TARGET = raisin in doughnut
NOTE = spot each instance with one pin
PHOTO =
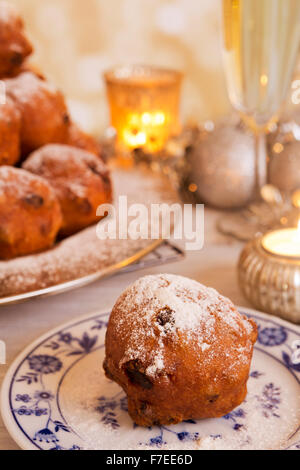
(44, 116)
(14, 45)
(28, 66)
(179, 350)
(10, 125)
(80, 139)
(30, 215)
(80, 179)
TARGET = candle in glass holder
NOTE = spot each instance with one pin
(269, 273)
(285, 242)
(144, 105)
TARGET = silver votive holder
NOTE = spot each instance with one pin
(270, 282)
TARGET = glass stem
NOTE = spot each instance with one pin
(260, 162)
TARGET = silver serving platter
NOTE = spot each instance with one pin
(83, 281)
(143, 186)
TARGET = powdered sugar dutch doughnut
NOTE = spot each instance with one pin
(14, 45)
(179, 350)
(44, 115)
(80, 180)
(30, 214)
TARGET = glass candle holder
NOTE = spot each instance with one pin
(144, 105)
(269, 273)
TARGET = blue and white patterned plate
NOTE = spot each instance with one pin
(55, 396)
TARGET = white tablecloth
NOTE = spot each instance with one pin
(214, 266)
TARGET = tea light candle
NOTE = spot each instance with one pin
(284, 242)
(144, 105)
(269, 273)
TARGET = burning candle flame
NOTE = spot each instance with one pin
(147, 128)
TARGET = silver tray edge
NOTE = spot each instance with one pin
(82, 281)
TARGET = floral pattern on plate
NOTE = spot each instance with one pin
(43, 410)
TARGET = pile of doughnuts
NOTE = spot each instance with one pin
(52, 176)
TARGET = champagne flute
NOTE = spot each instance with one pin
(261, 42)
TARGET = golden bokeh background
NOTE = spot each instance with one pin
(76, 40)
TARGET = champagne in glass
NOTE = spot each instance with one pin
(261, 42)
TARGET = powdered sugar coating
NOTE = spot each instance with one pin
(195, 312)
(70, 170)
(17, 182)
(34, 97)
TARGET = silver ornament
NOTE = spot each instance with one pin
(222, 165)
(284, 152)
(284, 167)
